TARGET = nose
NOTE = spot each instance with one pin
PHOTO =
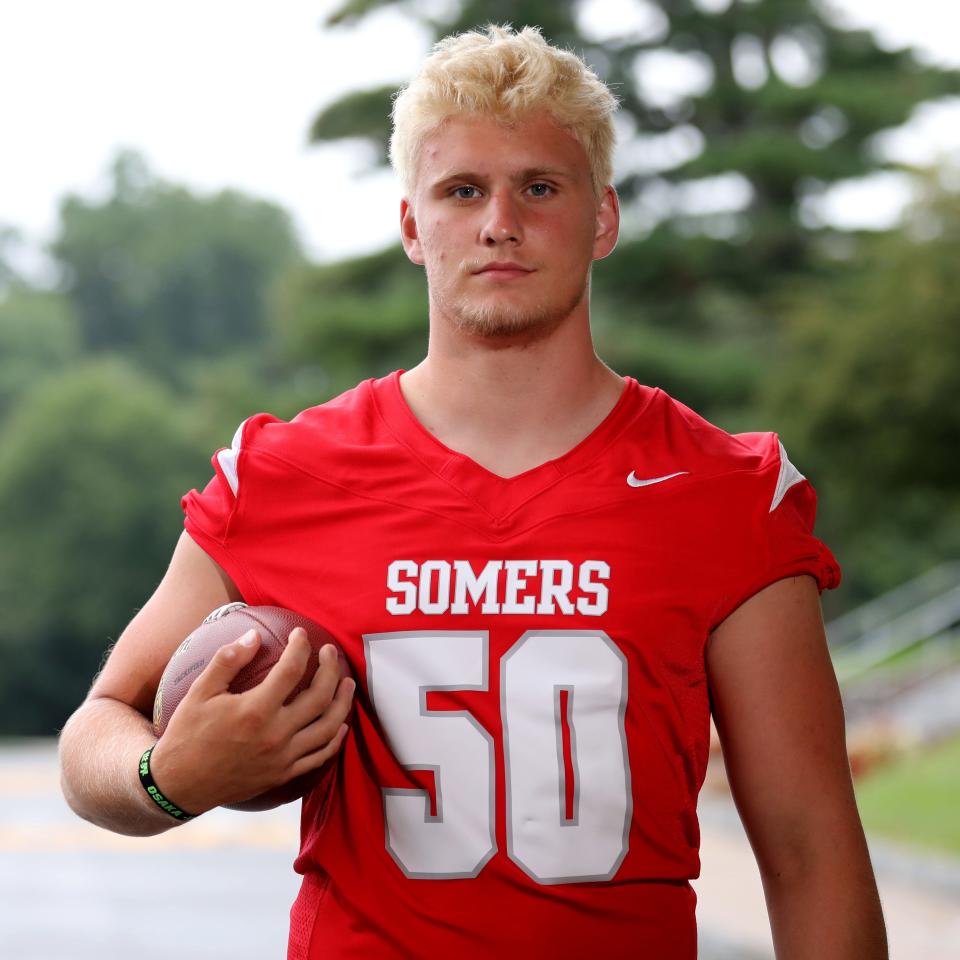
(502, 223)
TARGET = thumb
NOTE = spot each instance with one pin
(226, 663)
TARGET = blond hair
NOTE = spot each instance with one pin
(505, 75)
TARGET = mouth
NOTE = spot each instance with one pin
(503, 270)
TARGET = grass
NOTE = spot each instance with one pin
(941, 649)
(915, 799)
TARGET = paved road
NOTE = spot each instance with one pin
(222, 886)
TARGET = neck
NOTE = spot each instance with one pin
(511, 403)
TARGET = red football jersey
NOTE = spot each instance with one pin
(531, 723)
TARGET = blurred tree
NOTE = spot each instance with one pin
(772, 92)
(866, 396)
(737, 115)
(160, 273)
(10, 238)
(92, 465)
(357, 318)
(39, 336)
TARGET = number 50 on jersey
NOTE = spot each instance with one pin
(563, 698)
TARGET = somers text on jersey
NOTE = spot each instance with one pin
(500, 587)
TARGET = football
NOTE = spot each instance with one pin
(223, 626)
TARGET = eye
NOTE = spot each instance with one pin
(540, 189)
(466, 192)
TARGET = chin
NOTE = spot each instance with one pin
(497, 323)
(494, 319)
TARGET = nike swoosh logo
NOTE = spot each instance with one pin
(634, 482)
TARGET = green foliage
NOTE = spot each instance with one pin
(92, 465)
(354, 10)
(38, 337)
(362, 113)
(157, 272)
(353, 319)
(867, 397)
(161, 289)
(713, 373)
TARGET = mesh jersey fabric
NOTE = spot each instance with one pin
(531, 725)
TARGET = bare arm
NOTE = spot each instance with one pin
(778, 711)
(218, 747)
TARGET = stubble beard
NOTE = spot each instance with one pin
(493, 319)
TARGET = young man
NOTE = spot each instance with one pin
(544, 575)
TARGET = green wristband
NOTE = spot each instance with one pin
(146, 778)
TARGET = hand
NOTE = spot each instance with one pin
(223, 747)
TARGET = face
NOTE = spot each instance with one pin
(507, 224)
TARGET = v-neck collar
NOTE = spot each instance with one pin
(498, 496)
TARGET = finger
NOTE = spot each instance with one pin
(317, 733)
(225, 664)
(321, 696)
(313, 701)
(317, 758)
(287, 672)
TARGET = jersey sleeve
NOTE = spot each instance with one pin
(215, 518)
(770, 529)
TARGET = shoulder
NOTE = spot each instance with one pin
(751, 510)
(707, 452)
(342, 420)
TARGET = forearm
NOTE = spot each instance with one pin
(100, 747)
(828, 910)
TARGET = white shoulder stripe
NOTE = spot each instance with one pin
(789, 475)
(227, 458)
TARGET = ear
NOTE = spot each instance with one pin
(607, 224)
(409, 234)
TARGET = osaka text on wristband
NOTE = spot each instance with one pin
(146, 778)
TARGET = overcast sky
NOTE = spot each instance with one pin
(218, 93)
